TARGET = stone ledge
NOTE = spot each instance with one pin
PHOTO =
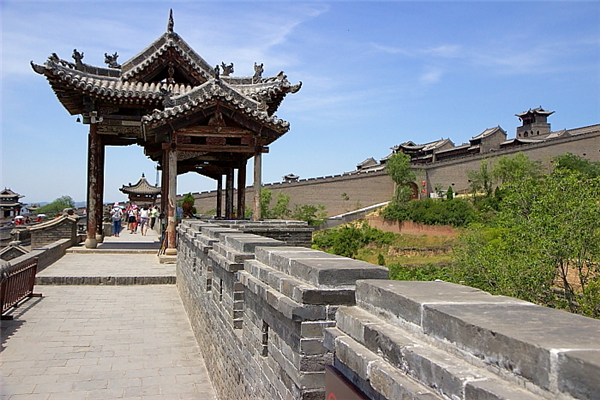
(296, 289)
(550, 351)
(318, 268)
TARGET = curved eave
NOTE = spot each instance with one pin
(213, 90)
(70, 85)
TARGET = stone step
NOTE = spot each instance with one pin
(369, 344)
(105, 280)
(536, 344)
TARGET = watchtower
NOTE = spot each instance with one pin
(534, 123)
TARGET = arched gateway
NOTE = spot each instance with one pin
(187, 115)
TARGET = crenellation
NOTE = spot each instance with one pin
(271, 328)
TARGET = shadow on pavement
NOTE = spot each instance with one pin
(129, 246)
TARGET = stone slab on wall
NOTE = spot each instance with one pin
(292, 233)
(462, 343)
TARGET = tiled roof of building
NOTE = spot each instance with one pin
(424, 147)
(488, 132)
(212, 90)
(538, 110)
(9, 194)
(142, 187)
(138, 80)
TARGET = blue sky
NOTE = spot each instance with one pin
(375, 74)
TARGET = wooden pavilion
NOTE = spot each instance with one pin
(187, 115)
(142, 193)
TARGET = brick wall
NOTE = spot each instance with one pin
(269, 318)
(64, 227)
(258, 308)
(376, 187)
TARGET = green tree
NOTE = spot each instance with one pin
(449, 193)
(314, 215)
(545, 230)
(512, 169)
(187, 204)
(481, 179)
(57, 206)
(398, 168)
(280, 209)
(266, 196)
(575, 163)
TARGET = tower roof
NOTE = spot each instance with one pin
(535, 111)
(142, 187)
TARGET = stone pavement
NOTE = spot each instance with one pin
(102, 341)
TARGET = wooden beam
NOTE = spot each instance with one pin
(221, 149)
(224, 131)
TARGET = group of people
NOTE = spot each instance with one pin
(136, 217)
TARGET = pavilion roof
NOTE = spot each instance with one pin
(213, 90)
(9, 194)
(141, 80)
(142, 187)
(539, 111)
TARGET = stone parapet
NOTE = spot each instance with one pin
(271, 319)
(260, 316)
(457, 342)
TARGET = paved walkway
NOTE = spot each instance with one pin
(105, 341)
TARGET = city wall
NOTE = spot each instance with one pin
(271, 319)
(369, 188)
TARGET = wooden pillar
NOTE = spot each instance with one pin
(241, 191)
(100, 194)
(92, 186)
(220, 196)
(257, 184)
(164, 185)
(229, 193)
(172, 200)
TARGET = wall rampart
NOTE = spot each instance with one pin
(64, 227)
(258, 309)
(339, 193)
(368, 188)
(269, 318)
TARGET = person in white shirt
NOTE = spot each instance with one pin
(144, 218)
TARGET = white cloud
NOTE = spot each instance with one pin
(431, 76)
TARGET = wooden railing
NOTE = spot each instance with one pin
(17, 284)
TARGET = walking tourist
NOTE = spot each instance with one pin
(153, 215)
(144, 217)
(132, 218)
(116, 215)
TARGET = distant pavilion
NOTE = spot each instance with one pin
(10, 204)
(187, 115)
(142, 193)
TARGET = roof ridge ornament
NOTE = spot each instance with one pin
(227, 69)
(77, 56)
(171, 24)
(258, 71)
(111, 60)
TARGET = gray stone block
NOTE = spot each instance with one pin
(392, 384)
(516, 337)
(579, 373)
(405, 299)
(496, 389)
(353, 355)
